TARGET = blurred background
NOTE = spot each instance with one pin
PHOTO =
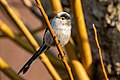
(105, 14)
(17, 56)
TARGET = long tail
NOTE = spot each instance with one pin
(29, 62)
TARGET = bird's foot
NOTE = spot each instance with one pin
(60, 56)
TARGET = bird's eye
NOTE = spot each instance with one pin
(62, 18)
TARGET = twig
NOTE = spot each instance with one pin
(100, 53)
(55, 39)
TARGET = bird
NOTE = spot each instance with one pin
(61, 25)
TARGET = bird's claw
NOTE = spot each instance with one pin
(60, 56)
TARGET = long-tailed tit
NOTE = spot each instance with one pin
(61, 25)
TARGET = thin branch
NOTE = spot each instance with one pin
(100, 53)
(55, 39)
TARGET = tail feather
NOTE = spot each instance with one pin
(25, 68)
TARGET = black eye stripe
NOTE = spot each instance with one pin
(65, 16)
(62, 18)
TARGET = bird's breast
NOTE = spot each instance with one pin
(63, 34)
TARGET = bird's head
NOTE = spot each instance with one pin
(63, 18)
